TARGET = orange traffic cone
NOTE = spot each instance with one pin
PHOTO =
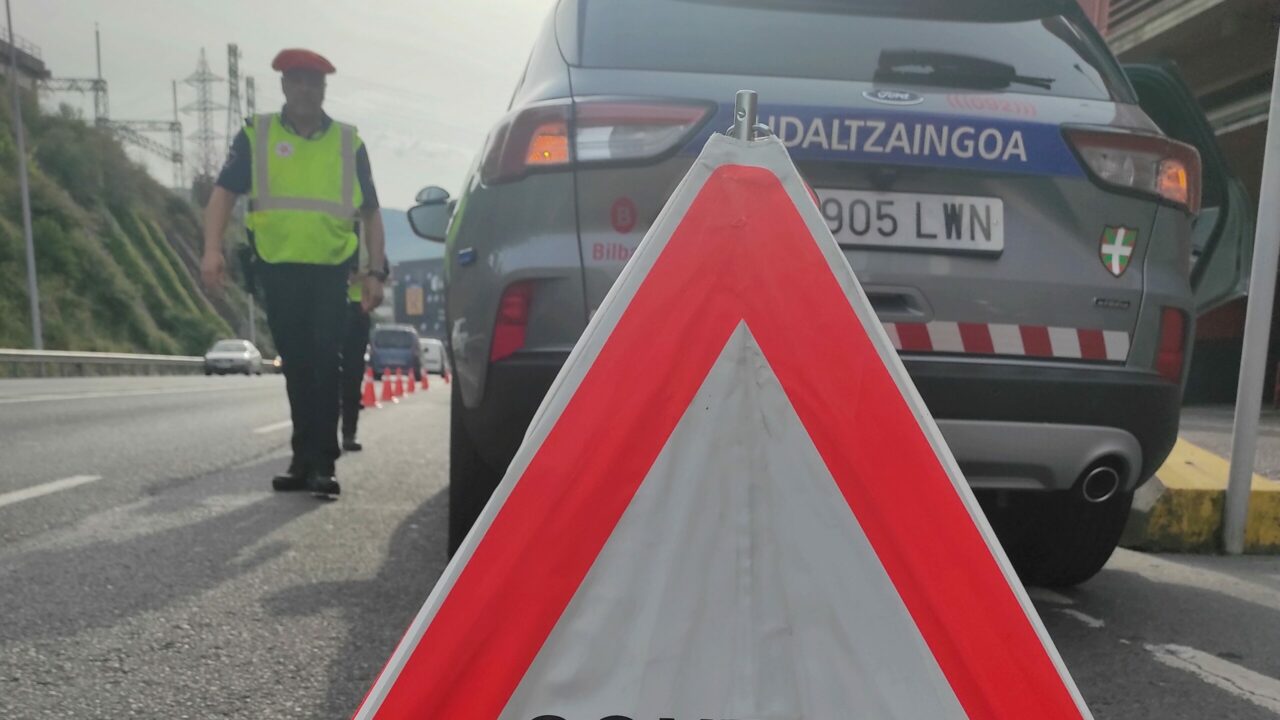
(446, 376)
(425, 384)
(388, 394)
(412, 387)
(398, 388)
(370, 398)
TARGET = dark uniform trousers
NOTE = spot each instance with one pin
(306, 310)
(353, 347)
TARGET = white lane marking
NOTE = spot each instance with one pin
(1089, 620)
(17, 496)
(1239, 681)
(1049, 596)
(132, 393)
(273, 427)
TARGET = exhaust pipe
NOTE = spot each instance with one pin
(1100, 482)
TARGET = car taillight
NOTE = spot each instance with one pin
(1172, 344)
(513, 318)
(622, 130)
(561, 133)
(537, 136)
(1150, 164)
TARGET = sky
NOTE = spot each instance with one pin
(423, 81)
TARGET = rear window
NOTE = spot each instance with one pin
(844, 40)
(393, 339)
(230, 346)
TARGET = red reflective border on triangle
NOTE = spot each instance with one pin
(741, 252)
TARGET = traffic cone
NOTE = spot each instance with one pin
(388, 394)
(446, 376)
(411, 387)
(398, 388)
(425, 383)
(369, 399)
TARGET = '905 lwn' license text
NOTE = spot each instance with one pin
(942, 223)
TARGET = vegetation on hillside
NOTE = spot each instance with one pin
(117, 254)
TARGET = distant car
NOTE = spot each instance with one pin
(238, 356)
(432, 355)
(395, 347)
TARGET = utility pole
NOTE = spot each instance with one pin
(33, 292)
(101, 110)
(250, 108)
(233, 97)
(234, 123)
(1257, 329)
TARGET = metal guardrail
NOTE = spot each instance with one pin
(63, 362)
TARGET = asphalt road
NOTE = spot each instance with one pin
(176, 585)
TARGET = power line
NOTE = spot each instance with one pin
(130, 132)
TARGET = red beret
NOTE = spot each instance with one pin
(299, 59)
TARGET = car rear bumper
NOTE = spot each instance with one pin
(1010, 426)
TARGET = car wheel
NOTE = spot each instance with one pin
(207, 371)
(1058, 539)
(471, 480)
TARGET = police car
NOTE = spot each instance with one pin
(1036, 228)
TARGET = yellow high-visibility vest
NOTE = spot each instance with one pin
(305, 194)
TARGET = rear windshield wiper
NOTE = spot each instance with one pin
(953, 70)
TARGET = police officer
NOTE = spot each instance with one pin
(354, 345)
(309, 186)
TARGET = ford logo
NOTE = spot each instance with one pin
(893, 97)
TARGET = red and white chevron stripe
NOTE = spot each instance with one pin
(1001, 339)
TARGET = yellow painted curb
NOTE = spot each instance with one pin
(1180, 509)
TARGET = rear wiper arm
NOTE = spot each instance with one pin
(942, 68)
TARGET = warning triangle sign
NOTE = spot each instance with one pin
(732, 505)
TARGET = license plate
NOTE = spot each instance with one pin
(918, 221)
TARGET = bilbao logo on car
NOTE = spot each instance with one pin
(893, 97)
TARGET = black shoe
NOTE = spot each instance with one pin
(349, 444)
(293, 479)
(323, 485)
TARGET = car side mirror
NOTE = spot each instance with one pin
(430, 220)
(431, 193)
(430, 217)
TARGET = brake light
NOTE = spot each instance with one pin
(558, 134)
(1149, 164)
(512, 320)
(1172, 344)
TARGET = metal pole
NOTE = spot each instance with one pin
(744, 115)
(1257, 331)
(33, 293)
(253, 321)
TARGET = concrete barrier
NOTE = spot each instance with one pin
(1180, 509)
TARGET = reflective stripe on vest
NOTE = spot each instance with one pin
(305, 195)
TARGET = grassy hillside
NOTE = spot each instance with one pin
(117, 254)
